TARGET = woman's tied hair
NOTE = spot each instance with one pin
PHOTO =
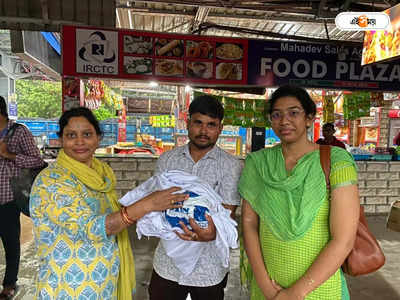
(3, 107)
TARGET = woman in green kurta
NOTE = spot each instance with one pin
(295, 237)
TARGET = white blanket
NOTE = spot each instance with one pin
(184, 254)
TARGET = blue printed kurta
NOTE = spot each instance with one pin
(77, 260)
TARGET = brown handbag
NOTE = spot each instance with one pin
(366, 256)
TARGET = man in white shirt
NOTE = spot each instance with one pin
(221, 170)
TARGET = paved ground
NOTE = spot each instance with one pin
(382, 285)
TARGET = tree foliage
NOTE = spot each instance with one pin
(39, 99)
(43, 99)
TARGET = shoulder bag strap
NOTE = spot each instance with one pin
(11, 132)
(8, 136)
(325, 160)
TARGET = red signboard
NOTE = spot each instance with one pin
(394, 113)
(139, 55)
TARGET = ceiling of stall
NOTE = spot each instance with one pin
(273, 19)
(277, 19)
(46, 15)
(307, 20)
(49, 15)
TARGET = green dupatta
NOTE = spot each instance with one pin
(287, 203)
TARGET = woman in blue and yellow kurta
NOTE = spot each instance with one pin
(295, 237)
(80, 229)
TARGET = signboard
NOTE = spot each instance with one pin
(12, 106)
(217, 61)
(96, 52)
(394, 113)
(146, 105)
(137, 55)
(383, 44)
(317, 65)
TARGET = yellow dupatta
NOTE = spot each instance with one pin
(101, 178)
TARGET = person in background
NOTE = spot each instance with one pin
(297, 235)
(221, 170)
(19, 151)
(396, 140)
(328, 131)
(83, 246)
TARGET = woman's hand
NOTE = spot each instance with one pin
(156, 201)
(270, 291)
(198, 234)
(288, 294)
(165, 199)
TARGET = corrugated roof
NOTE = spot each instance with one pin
(250, 19)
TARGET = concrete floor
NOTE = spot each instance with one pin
(383, 284)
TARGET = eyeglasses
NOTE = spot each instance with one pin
(291, 114)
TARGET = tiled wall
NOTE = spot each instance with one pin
(379, 182)
(130, 171)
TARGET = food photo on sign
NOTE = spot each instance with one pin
(229, 71)
(169, 47)
(229, 51)
(138, 65)
(196, 49)
(138, 44)
(169, 67)
(199, 69)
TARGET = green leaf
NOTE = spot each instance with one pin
(38, 99)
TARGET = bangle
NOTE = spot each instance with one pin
(123, 218)
(127, 220)
(125, 210)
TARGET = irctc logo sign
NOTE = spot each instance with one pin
(356, 21)
(97, 51)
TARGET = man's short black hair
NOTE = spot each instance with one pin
(3, 107)
(328, 126)
(207, 105)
